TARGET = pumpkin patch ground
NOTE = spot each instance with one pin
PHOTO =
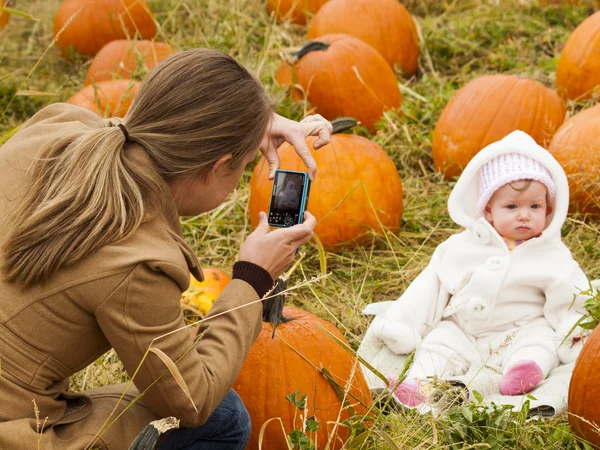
(459, 43)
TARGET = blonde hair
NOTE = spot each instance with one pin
(88, 191)
(527, 182)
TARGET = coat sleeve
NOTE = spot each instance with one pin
(403, 323)
(564, 306)
(564, 297)
(146, 305)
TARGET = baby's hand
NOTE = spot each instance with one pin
(399, 338)
(570, 349)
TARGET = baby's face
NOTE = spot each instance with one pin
(518, 214)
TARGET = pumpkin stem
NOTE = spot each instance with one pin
(312, 46)
(343, 124)
(273, 306)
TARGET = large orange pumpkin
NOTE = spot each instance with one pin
(578, 70)
(294, 9)
(107, 98)
(202, 294)
(343, 76)
(98, 22)
(294, 360)
(384, 24)
(576, 146)
(487, 109)
(120, 58)
(584, 391)
(356, 178)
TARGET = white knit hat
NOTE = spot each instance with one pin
(506, 168)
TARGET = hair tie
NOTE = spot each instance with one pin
(124, 130)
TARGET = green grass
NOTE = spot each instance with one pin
(462, 39)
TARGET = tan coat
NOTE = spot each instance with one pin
(122, 297)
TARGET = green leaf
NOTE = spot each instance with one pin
(359, 441)
(312, 424)
(467, 414)
(478, 396)
(299, 439)
(299, 401)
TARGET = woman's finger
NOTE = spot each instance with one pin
(300, 242)
(324, 138)
(321, 128)
(299, 143)
(309, 220)
(272, 158)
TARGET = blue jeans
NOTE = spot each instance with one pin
(227, 428)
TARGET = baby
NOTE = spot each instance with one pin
(503, 291)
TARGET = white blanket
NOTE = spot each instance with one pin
(547, 399)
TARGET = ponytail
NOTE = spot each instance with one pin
(85, 194)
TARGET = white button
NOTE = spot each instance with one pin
(481, 233)
(478, 308)
(495, 263)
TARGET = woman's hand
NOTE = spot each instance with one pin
(274, 251)
(285, 130)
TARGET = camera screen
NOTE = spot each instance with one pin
(286, 199)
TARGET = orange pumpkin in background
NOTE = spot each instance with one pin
(120, 58)
(576, 146)
(357, 189)
(107, 98)
(95, 23)
(202, 294)
(342, 76)
(4, 16)
(294, 9)
(578, 69)
(584, 391)
(386, 25)
(295, 360)
(486, 110)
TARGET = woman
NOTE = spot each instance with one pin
(93, 258)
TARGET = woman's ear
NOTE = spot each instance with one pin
(221, 164)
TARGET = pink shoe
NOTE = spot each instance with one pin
(521, 378)
(407, 392)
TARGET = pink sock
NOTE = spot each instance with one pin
(407, 392)
(521, 378)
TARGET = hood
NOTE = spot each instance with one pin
(463, 198)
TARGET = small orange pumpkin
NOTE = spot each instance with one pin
(349, 167)
(294, 360)
(119, 59)
(343, 76)
(578, 70)
(202, 294)
(107, 98)
(386, 25)
(97, 23)
(487, 109)
(576, 146)
(584, 391)
(4, 16)
(294, 9)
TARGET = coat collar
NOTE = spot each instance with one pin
(485, 233)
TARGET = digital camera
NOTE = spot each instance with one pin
(288, 198)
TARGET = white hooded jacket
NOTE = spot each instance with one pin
(473, 276)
